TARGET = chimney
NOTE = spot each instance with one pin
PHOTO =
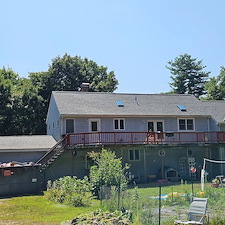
(85, 87)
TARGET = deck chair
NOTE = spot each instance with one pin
(196, 213)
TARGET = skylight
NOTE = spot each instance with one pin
(182, 108)
(119, 103)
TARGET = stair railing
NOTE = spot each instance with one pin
(48, 155)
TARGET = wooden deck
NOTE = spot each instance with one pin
(115, 138)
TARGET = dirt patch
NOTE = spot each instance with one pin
(171, 211)
(2, 200)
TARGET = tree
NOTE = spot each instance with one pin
(67, 74)
(24, 101)
(107, 171)
(215, 87)
(28, 117)
(20, 105)
(9, 97)
(188, 76)
(5, 101)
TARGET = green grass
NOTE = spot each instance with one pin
(38, 210)
(146, 191)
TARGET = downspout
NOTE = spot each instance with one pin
(208, 149)
(221, 152)
(61, 126)
(209, 123)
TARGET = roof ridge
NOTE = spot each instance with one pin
(113, 93)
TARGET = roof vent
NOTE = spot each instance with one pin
(136, 100)
(182, 108)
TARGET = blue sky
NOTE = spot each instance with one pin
(133, 38)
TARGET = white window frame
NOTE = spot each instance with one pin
(134, 158)
(186, 119)
(119, 119)
(73, 124)
(159, 135)
(98, 122)
(155, 124)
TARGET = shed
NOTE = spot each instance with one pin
(26, 148)
(20, 180)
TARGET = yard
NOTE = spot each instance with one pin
(141, 200)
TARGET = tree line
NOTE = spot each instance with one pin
(24, 101)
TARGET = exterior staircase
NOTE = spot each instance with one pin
(50, 156)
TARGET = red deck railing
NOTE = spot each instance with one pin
(112, 138)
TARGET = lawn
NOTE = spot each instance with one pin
(38, 210)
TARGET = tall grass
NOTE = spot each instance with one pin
(146, 210)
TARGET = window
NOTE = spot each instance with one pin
(89, 162)
(119, 124)
(182, 124)
(154, 126)
(119, 103)
(186, 124)
(151, 127)
(160, 126)
(134, 155)
(182, 108)
(94, 125)
(190, 124)
(69, 126)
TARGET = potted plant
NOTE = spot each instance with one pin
(215, 183)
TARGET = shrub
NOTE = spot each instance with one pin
(107, 171)
(70, 190)
(101, 217)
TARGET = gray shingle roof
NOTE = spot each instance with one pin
(28, 142)
(216, 109)
(75, 103)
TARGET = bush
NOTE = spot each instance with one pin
(70, 190)
(101, 217)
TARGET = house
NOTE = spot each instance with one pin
(150, 132)
(27, 148)
(216, 111)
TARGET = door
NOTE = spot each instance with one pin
(157, 128)
(94, 128)
(69, 126)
